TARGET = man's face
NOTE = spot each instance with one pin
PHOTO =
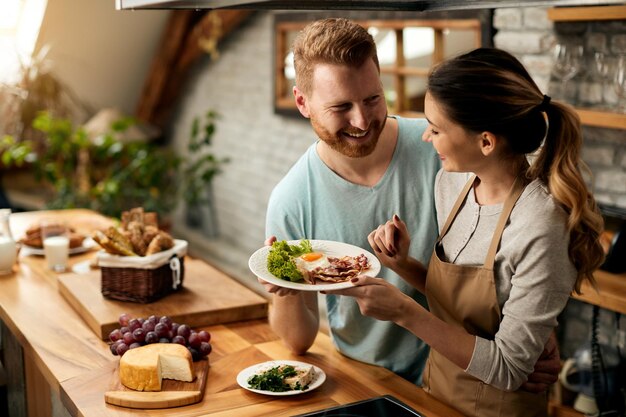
(347, 107)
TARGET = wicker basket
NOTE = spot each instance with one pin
(143, 279)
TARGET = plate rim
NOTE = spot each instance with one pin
(86, 245)
(242, 377)
(373, 270)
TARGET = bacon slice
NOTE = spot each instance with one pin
(340, 269)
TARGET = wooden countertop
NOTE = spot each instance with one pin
(237, 346)
(76, 363)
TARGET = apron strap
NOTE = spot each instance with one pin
(456, 207)
(509, 203)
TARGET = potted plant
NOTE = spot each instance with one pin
(199, 168)
(106, 174)
(110, 175)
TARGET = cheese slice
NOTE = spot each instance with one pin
(143, 368)
(303, 377)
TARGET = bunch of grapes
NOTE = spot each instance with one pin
(135, 332)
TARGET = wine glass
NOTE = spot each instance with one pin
(619, 82)
(602, 68)
(568, 61)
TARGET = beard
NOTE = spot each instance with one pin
(350, 147)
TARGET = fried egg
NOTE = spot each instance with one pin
(310, 261)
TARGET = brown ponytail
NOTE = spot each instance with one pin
(560, 167)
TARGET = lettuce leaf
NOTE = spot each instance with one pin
(280, 259)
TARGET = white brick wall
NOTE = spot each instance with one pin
(262, 145)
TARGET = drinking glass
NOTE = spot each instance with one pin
(567, 62)
(8, 247)
(56, 244)
(619, 82)
(602, 64)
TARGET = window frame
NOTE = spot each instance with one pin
(289, 23)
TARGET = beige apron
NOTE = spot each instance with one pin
(466, 296)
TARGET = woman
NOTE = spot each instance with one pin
(515, 238)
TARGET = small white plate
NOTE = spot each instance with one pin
(243, 376)
(258, 264)
(87, 244)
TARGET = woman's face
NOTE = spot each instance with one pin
(458, 149)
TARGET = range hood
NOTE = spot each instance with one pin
(408, 5)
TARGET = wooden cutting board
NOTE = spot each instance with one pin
(172, 394)
(208, 297)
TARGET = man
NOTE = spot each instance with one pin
(365, 168)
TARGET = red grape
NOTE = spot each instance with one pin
(205, 348)
(115, 335)
(133, 324)
(136, 332)
(148, 326)
(152, 337)
(166, 320)
(180, 340)
(194, 340)
(162, 330)
(204, 336)
(122, 348)
(123, 319)
(195, 355)
(139, 335)
(128, 338)
(184, 331)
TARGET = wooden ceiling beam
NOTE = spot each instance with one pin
(187, 37)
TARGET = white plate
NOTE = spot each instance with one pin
(258, 264)
(243, 376)
(87, 244)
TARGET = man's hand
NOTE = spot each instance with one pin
(547, 368)
(271, 288)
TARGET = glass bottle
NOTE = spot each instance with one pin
(8, 247)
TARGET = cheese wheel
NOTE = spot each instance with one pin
(143, 368)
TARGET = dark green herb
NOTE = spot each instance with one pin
(274, 379)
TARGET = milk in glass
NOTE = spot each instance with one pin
(8, 248)
(57, 252)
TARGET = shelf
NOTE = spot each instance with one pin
(593, 13)
(597, 118)
(570, 14)
(611, 292)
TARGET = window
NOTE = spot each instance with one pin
(407, 49)
(19, 26)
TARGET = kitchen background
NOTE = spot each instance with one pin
(101, 67)
(263, 145)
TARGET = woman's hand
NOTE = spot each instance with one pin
(391, 242)
(376, 298)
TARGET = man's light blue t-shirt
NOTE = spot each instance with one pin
(313, 202)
